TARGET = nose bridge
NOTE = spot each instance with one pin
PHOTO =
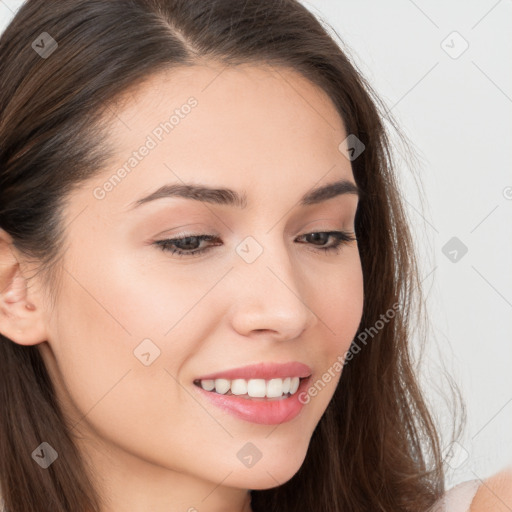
(269, 294)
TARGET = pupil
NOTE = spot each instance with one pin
(187, 243)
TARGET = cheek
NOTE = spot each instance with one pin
(103, 385)
(340, 308)
(107, 325)
(339, 299)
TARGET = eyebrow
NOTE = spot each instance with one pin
(228, 197)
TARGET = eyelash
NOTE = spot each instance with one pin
(342, 237)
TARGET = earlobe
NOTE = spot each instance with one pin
(21, 316)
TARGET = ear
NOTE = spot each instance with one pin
(21, 315)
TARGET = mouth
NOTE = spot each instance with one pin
(282, 406)
(253, 389)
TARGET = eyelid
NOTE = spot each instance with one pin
(213, 233)
(199, 226)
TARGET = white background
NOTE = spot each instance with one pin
(456, 113)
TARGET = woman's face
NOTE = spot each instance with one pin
(134, 325)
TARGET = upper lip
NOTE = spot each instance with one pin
(262, 371)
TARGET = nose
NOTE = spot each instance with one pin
(269, 297)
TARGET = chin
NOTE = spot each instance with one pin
(273, 472)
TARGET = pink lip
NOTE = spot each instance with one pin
(262, 371)
(265, 411)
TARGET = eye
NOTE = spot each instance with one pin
(190, 245)
(340, 238)
(186, 245)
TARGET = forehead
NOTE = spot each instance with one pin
(244, 104)
(242, 86)
(249, 127)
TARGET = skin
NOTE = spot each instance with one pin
(495, 494)
(154, 443)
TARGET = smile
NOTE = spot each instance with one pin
(252, 388)
(261, 409)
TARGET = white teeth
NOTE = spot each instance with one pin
(222, 386)
(239, 387)
(256, 388)
(274, 388)
(294, 384)
(209, 385)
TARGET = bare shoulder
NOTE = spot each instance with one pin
(495, 494)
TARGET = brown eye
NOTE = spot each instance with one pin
(340, 237)
(190, 244)
(187, 245)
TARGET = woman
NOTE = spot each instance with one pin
(207, 277)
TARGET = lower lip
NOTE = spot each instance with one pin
(264, 412)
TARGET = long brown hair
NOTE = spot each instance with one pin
(376, 448)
